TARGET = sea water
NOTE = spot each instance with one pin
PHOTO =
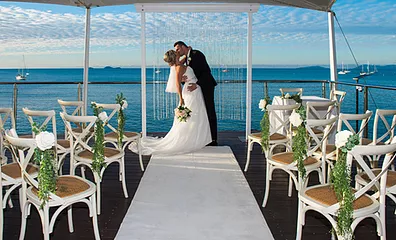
(44, 96)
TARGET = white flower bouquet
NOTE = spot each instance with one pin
(182, 113)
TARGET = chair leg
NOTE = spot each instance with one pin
(140, 155)
(24, 215)
(94, 216)
(249, 149)
(82, 172)
(70, 218)
(122, 172)
(290, 190)
(267, 185)
(98, 190)
(300, 221)
(45, 223)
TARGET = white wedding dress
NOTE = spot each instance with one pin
(183, 137)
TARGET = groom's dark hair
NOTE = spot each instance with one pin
(180, 43)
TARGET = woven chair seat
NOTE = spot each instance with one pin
(287, 158)
(326, 195)
(366, 141)
(329, 149)
(108, 152)
(67, 186)
(273, 137)
(390, 180)
(113, 136)
(80, 129)
(64, 143)
(14, 171)
(26, 136)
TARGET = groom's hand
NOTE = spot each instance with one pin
(191, 87)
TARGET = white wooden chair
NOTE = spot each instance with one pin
(291, 91)
(315, 111)
(322, 198)
(73, 108)
(82, 154)
(6, 121)
(1, 204)
(285, 161)
(278, 124)
(386, 119)
(112, 136)
(42, 118)
(69, 190)
(337, 96)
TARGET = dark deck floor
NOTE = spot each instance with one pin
(280, 213)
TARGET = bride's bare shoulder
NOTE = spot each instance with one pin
(180, 69)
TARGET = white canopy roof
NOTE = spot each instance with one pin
(320, 5)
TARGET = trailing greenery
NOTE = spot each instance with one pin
(120, 99)
(47, 175)
(265, 125)
(98, 149)
(341, 179)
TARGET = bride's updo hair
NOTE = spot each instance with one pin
(170, 57)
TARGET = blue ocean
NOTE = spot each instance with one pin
(230, 92)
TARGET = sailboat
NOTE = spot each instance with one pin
(343, 70)
(22, 73)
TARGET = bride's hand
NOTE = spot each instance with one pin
(181, 102)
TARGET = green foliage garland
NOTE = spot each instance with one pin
(265, 126)
(121, 118)
(341, 179)
(47, 175)
(98, 149)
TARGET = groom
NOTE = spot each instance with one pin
(197, 61)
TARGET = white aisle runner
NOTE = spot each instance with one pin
(197, 196)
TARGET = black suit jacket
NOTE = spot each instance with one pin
(201, 69)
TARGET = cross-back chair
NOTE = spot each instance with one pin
(313, 163)
(278, 123)
(315, 111)
(7, 120)
(42, 119)
(112, 135)
(337, 96)
(284, 91)
(69, 190)
(73, 108)
(82, 153)
(322, 198)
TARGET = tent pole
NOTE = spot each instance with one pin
(143, 74)
(86, 58)
(333, 56)
(249, 77)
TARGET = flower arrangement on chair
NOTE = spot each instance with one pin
(121, 100)
(341, 180)
(265, 123)
(44, 156)
(299, 144)
(98, 149)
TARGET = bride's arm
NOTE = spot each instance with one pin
(179, 75)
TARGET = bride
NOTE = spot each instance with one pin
(183, 137)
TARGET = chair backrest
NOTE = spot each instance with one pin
(113, 109)
(5, 114)
(41, 118)
(78, 141)
(316, 141)
(74, 107)
(315, 109)
(277, 120)
(337, 96)
(291, 91)
(346, 119)
(380, 116)
(23, 149)
(378, 181)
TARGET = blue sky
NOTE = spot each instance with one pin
(53, 36)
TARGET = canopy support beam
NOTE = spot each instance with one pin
(333, 55)
(143, 73)
(86, 58)
(249, 78)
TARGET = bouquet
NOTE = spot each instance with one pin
(182, 113)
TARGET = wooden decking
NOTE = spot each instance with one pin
(280, 213)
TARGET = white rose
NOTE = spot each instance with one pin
(341, 138)
(124, 104)
(262, 104)
(45, 140)
(103, 116)
(287, 96)
(295, 119)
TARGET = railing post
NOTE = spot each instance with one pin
(323, 89)
(79, 96)
(15, 105)
(366, 89)
(357, 104)
(265, 89)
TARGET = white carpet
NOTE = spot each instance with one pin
(197, 196)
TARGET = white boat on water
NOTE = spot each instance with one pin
(22, 73)
(344, 70)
